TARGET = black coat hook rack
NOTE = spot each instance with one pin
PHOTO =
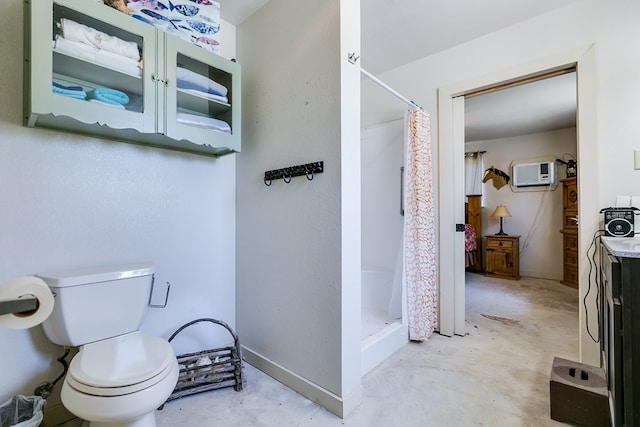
(309, 170)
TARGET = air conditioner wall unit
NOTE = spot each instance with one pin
(534, 174)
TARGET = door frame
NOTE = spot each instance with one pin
(451, 194)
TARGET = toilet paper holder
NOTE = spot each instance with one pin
(18, 305)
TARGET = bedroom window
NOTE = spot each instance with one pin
(473, 170)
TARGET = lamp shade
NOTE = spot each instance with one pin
(501, 212)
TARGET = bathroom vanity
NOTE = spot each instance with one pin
(620, 326)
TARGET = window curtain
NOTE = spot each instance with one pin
(473, 170)
(419, 235)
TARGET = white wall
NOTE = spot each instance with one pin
(298, 253)
(382, 224)
(71, 201)
(612, 26)
(536, 213)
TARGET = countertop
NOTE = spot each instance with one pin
(628, 247)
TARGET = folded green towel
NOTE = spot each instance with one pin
(109, 96)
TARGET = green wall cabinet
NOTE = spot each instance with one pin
(157, 107)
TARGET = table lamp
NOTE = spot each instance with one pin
(501, 212)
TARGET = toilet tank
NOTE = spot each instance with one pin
(93, 304)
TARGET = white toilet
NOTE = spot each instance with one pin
(120, 375)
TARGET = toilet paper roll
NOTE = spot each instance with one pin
(22, 287)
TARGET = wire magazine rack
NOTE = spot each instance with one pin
(208, 369)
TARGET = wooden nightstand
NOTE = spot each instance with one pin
(502, 256)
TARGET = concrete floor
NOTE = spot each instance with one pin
(496, 375)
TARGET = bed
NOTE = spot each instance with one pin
(473, 233)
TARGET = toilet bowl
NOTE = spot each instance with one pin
(120, 375)
(120, 381)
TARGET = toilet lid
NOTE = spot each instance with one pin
(121, 390)
(121, 361)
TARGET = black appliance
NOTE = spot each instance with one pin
(618, 221)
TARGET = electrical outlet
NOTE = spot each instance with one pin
(636, 159)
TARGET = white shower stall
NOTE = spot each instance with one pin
(384, 328)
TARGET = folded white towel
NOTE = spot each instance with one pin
(118, 62)
(98, 56)
(75, 48)
(75, 31)
(204, 122)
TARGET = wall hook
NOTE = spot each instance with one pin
(309, 170)
(353, 58)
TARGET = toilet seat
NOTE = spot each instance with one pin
(121, 365)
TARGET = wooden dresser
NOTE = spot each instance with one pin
(503, 256)
(570, 231)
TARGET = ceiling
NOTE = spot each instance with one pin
(539, 106)
(236, 11)
(396, 32)
(431, 26)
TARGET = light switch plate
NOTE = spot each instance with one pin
(636, 159)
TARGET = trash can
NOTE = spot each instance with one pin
(22, 411)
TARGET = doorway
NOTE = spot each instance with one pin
(532, 123)
(451, 183)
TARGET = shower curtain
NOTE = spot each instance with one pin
(419, 235)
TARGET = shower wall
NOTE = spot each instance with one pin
(382, 156)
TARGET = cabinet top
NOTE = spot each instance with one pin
(501, 236)
(627, 247)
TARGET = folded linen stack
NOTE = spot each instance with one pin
(93, 45)
(108, 96)
(76, 92)
(204, 122)
(197, 83)
(192, 82)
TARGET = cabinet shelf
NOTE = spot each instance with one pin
(190, 102)
(80, 69)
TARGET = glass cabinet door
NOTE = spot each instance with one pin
(202, 97)
(95, 65)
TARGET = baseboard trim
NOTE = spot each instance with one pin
(56, 414)
(340, 406)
